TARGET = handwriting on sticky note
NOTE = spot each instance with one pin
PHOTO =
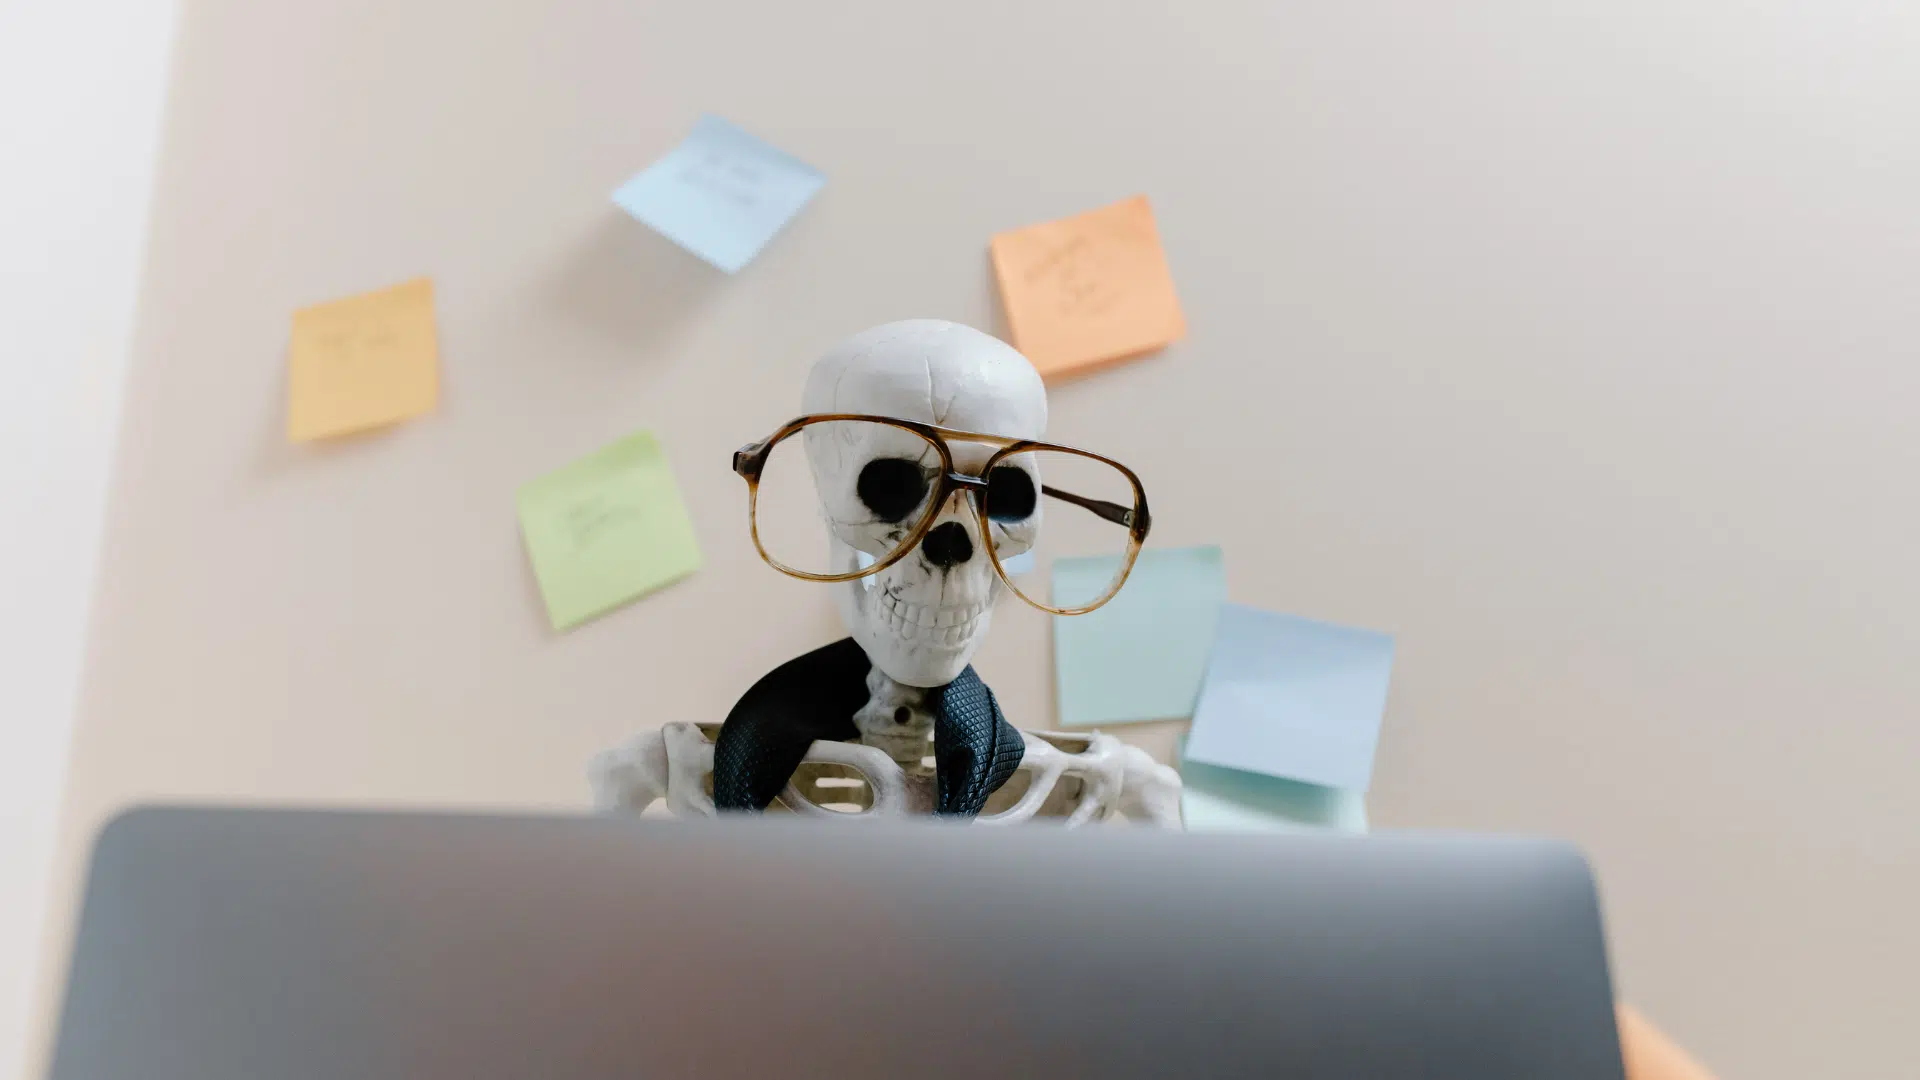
(726, 176)
(721, 194)
(606, 530)
(1079, 284)
(596, 516)
(362, 362)
(352, 358)
(1087, 290)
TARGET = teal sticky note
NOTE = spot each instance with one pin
(1141, 655)
(1213, 799)
(1293, 698)
(721, 194)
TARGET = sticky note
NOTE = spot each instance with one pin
(1213, 799)
(1293, 698)
(362, 362)
(1088, 290)
(1141, 655)
(721, 194)
(606, 530)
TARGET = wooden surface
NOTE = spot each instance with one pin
(1574, 344)
(1650, 1055)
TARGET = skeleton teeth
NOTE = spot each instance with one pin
(944, 625)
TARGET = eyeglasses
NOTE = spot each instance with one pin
(879, 485)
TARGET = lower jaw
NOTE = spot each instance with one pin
(937, 637)
(921, 635)
(952, 636)
(926, 667)
(924, 660)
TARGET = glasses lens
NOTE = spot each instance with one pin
(867, 483)
(1046, 507)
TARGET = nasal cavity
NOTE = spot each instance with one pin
(947, 545)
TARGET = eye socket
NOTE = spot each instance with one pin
(892, 487)
(1010, 495)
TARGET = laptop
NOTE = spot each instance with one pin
(304, 945)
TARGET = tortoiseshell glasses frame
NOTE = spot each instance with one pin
(750, 460)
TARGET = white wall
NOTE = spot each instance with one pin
(1576, 341)
(81, 85)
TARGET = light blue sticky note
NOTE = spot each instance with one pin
(721, 194)
(1141, 655)
(1213, 799)
(1292, 698)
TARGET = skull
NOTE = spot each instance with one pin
(920, 619)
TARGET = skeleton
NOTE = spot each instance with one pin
(921, 619)
(917, 623)
(1081, 778)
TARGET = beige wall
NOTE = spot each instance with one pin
(1579, 348)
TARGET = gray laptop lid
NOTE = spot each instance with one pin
(278, 945)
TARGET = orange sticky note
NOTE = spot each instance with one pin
(1088, 290)
(362, 362)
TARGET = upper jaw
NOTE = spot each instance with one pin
(938, 624)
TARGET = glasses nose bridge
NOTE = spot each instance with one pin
(965, 492)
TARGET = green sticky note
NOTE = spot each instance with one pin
(1213, 799)
(606, 530)
(1141, 655)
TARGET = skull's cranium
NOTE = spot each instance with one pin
(920, 619)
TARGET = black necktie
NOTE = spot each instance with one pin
(815, 696)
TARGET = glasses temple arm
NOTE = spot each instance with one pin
(1114, 512)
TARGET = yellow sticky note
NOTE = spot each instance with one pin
(362, 362)
(606, 530)
(1088, 290)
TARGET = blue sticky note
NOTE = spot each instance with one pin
(1292, 698)
(721, 194)
(1142, 654)
(1213, 799)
